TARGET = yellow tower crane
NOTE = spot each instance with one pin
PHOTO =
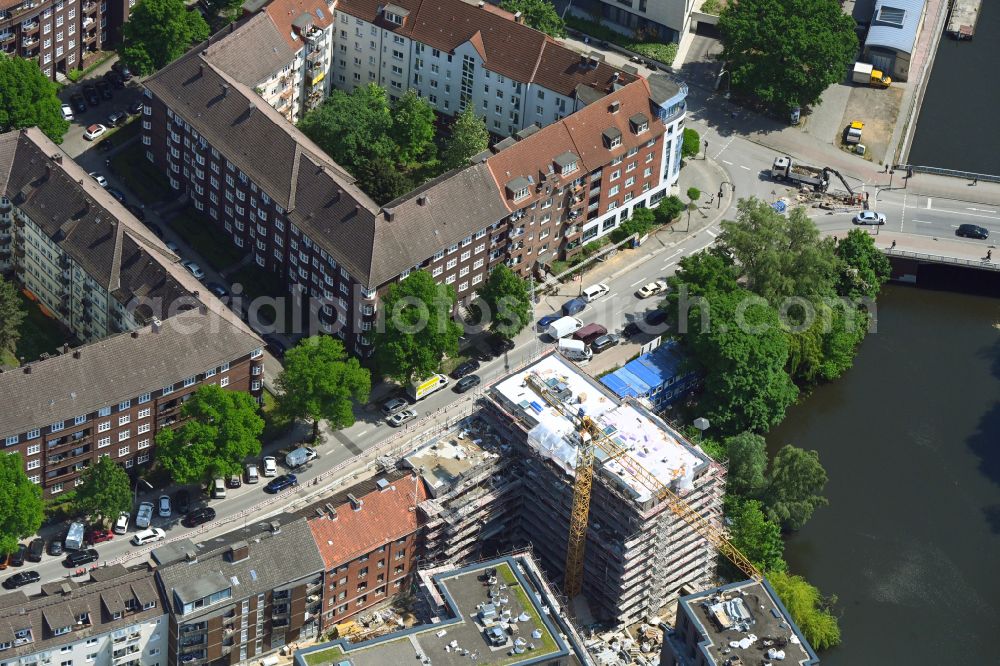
(591, 434)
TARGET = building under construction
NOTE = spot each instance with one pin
(506, 478)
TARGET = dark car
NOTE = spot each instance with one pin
(91, 95)
(55, 547)
(234, 481)
(631, 330)
(199, 517)
(17, 557)
(116, 118)
(122, 69)
(604, 342)
(275, 345)
(135, 107)
(466, 383)
(105, 146)
(116, 194)
(157, 231)
(217, 289)
(76, 101)
(105, 89)
(139, 213)
(115, 79)
(574, 306)
(972, 231)
(279, 483)
(36, 550)
(465, 368)
(182, 501)
(80, 557)
(499, 345)
(21, 578)
(547, 320)
(655, 319)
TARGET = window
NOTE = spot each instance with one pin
(104, 427)
(123, 435)
(32, 434)
(103, 441)
(167, 390)
(57, 426)
(189, 381)
(34, 449)
(142, 429)
(124, 420)
(12, 440)
(143, 444)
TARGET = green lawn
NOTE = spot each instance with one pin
(39, 334)
(206, 239)
(324, 656)
(138, 174)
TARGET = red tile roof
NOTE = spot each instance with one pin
(385, 516)
(284, 12)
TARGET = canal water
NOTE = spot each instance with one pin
(910, 437)
(958, 126)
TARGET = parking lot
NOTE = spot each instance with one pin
(121, 98)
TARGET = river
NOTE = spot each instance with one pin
(910, 437)
(957, 127)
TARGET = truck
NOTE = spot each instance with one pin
(867, 75)
(564, 326)
(852, 134)
(421, 389)
(785, 169)
(574, 350)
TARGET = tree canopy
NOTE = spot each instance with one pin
(223, 428)
(468, 137)
(416, 327)
(508, 298)
(158, 32)
(28, 99)
(21, 506)
(786, 52)
(539, 14)
(864, 269)
(747, 454)
(12, 314)
(754, 535)
(320, 382)
(229, 9)
(413, 128)
(690, 143)
(810, 610)
(795, 486)
(640, 224)
(105, 491)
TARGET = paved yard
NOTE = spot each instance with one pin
(878, 109)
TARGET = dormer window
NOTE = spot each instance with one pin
(395, 14)
(612, 137)
(520, 194)
(59, 631)
(567, 162)
(394, 18)
(639, 123)
(519, 188)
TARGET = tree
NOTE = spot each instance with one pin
(754, 535)
(508, 297)
(669, 209)
(353, 128)
(864, 269)
(21, 506)
(690, 143)
(105, 491)
(416, 329)
(794, 487)
(539, 14)
(641, 222)
(28, 99)
(320, 382)
(413, 128)
(747, 464)
(815, 40)
(382, 180)
(230, 9)
(808, 608)
(158, 32)
(468, 137)
(12, 314)
(223, 428)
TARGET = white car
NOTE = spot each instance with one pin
(148, 536)
(163, 506)
(101, 180)
(270, 466)
(67, 112)
(252, 475)
(651, 288)
(194, 269)
(95, 131)
(591, 294)
(402, 417)
(121, 525)
(869, 217)
(144, 515)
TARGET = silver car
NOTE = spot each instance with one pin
(402, 417)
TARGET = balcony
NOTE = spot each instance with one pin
(89, 7)
(6, 37)
(68, 455)
(30, 26)
(90, 36)
(87, 22)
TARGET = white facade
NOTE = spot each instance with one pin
(140, 644)
(303, 83)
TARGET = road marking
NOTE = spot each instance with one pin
(727, 162)
(709, 232)
(924, 221)
(745, 167)
(363, 432)
(929, 203)
(981, 210)
(636, 282)
(670, 264)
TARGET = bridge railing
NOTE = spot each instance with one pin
(983, 264)
(953, 173)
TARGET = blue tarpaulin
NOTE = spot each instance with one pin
(645, 376)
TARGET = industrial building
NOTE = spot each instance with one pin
(893, 35)
(739, 623)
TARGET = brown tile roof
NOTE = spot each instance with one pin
(286, 12)
(270, 48)
(511, 49)
(580, 134)
(384, 516)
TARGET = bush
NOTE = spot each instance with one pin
(74, 75)
(649, 48)
(692, 143)
(669, 209)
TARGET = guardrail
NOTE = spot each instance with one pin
(983, 264)
(953, 173)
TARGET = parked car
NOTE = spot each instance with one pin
(121, 524)
(651, 288)
(194, 269)
(252, 475)
(217, 289)
(275, 345)
(270, 466)
(972, 231)
(139, 213)
(22, 578)
(547, 320)
(36, 549)
(393, 405)
(105, 89)
(182, 501)
(402, 417)
(135, 107)
(655, 318)
(67, 112)
(4, 561)
(91, 95)
(144, 515)
(55, 547)
(466, 383)
(120, 67)
(148, 536)
(157, 231)
(465, 368)
(115, 79)
(604, 342)
(81, 557)
(498, 345)
(869, 217)
(173, 247)
(163, 508)
(279, 483)
(117, 194)
(98, 535)
(101, 180)
(18, 556)
(300, 456)
(596, 291)
(116, 118)
(76, 101)
(199, 517)
(218, 489)
(574, 306)
(94, 132)
(234, 481)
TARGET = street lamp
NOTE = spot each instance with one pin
(722, 191)
(702, 425)
(705, 155)
(135, 491)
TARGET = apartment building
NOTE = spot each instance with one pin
(62, 35)
(457, 54)
(664, 20)
(114, 618)
(282, 50)
(739, 623)
(241, 596)
(151, 336)
(369, 545)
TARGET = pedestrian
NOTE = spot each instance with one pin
(893, 247)
(989, 255)
(975, 181)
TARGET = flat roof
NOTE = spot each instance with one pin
(662, 451)
(442, 461)
(746, 620)
(461, 638)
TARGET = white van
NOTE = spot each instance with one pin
(422, 389)
(218, 489)
(575, 350)
(596, 291)
(74, 536)
(564, 326)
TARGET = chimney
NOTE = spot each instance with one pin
(482, 4)
(616, 76)
(356, 504)
(57, 158)
(275, 527)
(225, 89)
(615, 106)
(27, 369)
(518, 18)
(422, 200)
(156, 325)
(238, 552)
(135, 334)
(202, 308)
(389, 214)
(77, 354)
